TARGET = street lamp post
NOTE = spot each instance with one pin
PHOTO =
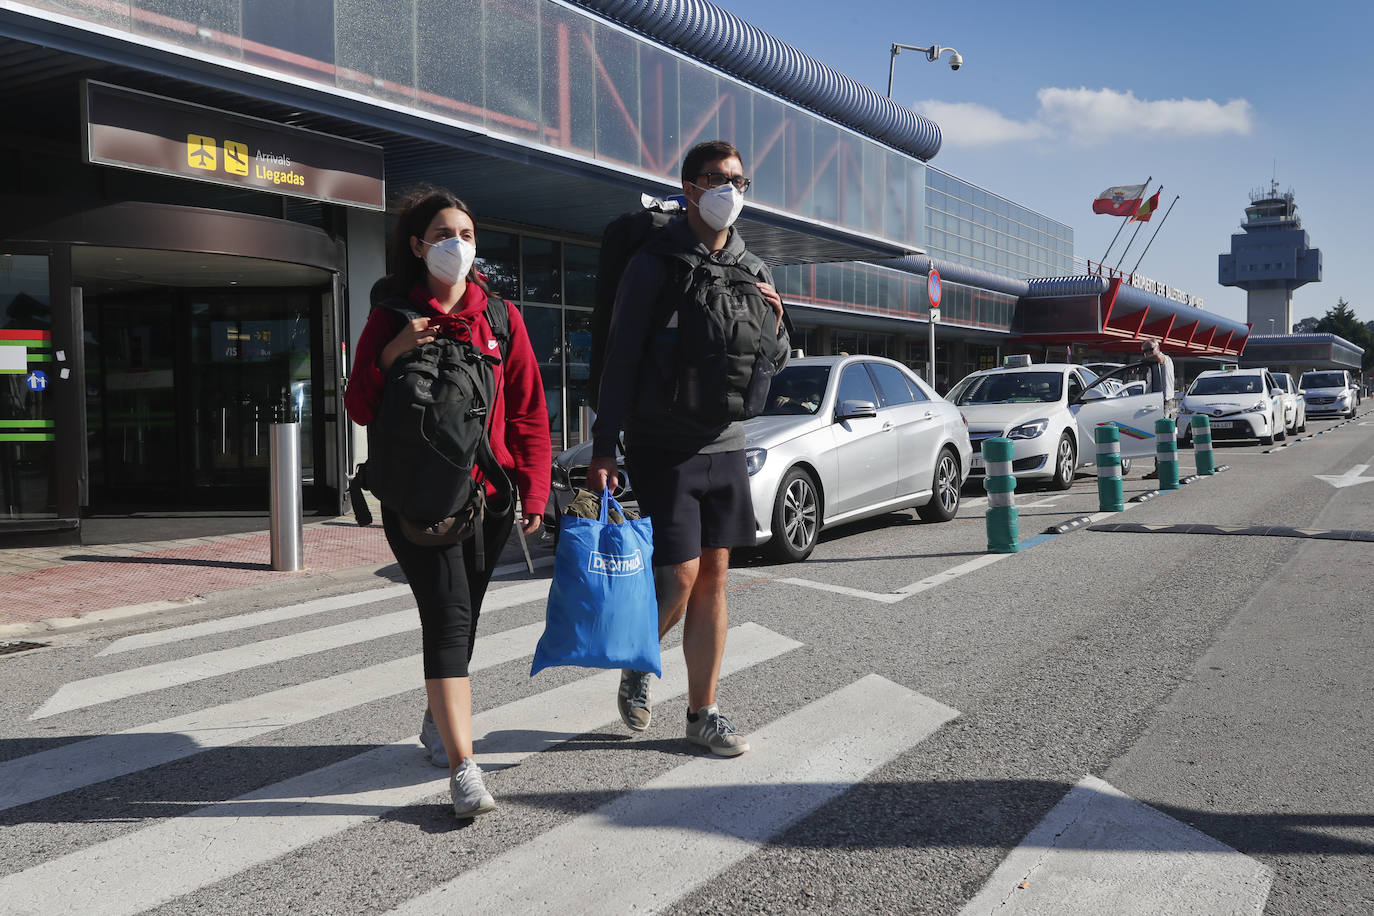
(932, 53)
(956, 60)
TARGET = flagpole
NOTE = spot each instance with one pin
(1157, 228)
(1146, 187)
(1141, 223)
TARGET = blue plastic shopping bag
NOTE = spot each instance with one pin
(602, 612)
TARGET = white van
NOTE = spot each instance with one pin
(1329, 392)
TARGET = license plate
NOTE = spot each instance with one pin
(1223, 424)
(976, 462)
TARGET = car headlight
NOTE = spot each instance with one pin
(1029, 430)
(754, 459)
(1343, 396)
(560, 478)
(1261, 407)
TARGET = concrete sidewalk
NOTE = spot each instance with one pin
(51, 588)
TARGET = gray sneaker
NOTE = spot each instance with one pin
(469, 793)
(433, 742)
(714, 731)
(633, 699)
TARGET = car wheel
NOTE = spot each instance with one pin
(796, 518)
(1065, 463)
(1269, 439)
(1281, 432)
(1301, 427)
(944, 497)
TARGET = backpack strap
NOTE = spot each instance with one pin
(498, 317)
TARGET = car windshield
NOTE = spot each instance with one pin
(1227, 384)
(796, 391)
(1011, 388)
(1323, 380)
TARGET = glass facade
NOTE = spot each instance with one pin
(877, 290)
(973, 227)
(540, 72)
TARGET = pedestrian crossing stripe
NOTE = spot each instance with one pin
(695, 821)
(145, 868)
(1100, 851)
(121, 685)
(254, 619)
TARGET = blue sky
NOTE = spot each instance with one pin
(1057, 101)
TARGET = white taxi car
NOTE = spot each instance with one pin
(1294, 403)
(1239, 403)
(1050, 412)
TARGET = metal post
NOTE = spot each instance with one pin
(288, 547)
(932, 354)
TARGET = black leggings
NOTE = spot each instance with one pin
(448, 590)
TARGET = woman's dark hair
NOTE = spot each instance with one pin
(414, 212)
(702, 153)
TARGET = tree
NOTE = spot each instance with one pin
(1306, 326)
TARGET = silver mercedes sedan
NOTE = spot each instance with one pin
(843, 438)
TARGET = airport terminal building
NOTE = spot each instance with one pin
(193, 210)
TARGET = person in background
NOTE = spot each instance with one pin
(429, 264)
(1160, 379)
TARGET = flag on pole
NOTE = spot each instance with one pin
(1145, 210)
(1119, 201)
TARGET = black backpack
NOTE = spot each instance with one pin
(727, 346)
(622, 238)
(431, 428)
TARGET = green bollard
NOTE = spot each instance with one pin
(1110, 493)
(1166, 454)
(1000, 485)
(1202, 445)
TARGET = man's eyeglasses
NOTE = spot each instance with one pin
(716, 179)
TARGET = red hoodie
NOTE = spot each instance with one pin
(520, 421)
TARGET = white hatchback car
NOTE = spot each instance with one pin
(843, 438)
(1050, 412)
(1239, 403)
(1294, 404)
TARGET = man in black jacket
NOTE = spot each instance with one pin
(689, 475)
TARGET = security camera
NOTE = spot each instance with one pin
(955, 61)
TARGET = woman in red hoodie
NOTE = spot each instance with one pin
(429, 263)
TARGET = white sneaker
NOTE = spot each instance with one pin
(433, 741)
(716, 732)
(469, 793)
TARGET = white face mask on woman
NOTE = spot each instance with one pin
(721, 206)
(450, 260)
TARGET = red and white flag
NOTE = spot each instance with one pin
(1119, 201)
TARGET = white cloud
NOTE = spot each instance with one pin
(1089, 117)
(977, 125)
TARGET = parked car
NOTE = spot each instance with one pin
(1329, 393)
(1239, 403)
(1294, 404)
(843, 438)
(1050, 412)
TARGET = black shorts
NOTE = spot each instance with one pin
(695, 501)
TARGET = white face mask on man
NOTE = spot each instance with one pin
(450, 260)
(720, 207)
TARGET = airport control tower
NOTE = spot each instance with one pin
(1270, 259)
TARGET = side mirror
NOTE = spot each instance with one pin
(1092, 394)
(1276, 392)
(849, 410)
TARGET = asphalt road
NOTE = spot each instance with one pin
(1107, 721)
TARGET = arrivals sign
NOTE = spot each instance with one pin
(136, 130)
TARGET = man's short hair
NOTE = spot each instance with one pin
(702, 153)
